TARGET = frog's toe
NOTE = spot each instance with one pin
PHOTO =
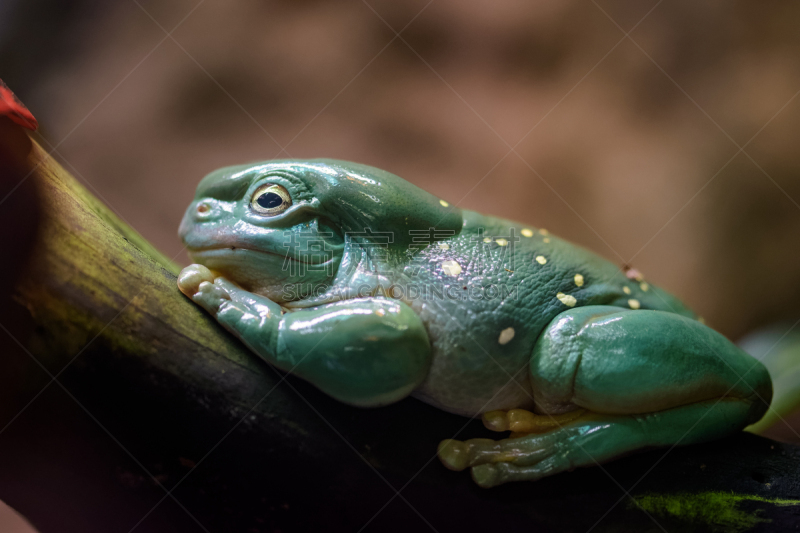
(458, 455)
(494, 474)
(210, 296)
(191, 277)
(454, 454)
(223, 283)
(486, 476)
(521, 421)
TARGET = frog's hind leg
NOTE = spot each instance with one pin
(644, 379)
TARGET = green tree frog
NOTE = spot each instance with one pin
(374, 290)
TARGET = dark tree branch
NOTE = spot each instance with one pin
(153, 415)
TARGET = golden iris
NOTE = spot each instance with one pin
(270, 199)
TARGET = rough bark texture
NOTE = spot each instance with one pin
(156, 408)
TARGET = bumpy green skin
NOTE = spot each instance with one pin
(372, 289)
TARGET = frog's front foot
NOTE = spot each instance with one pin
(204, 287)
(191, 277)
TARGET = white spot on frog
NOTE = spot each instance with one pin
(451, 268)
(501, 242)
(506, 335)
(541, 259)
(566, 299)
(626, 290)
(444, 246)
(527, 233)
(579, 280)
(634, 304)
(444, 204)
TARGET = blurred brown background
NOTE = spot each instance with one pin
(630, 146)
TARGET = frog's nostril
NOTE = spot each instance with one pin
(203, 208)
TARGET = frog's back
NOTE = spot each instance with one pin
(487, 294)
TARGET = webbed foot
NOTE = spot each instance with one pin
(531, 451)
(591, 439)
(207, 289)
(522, 458)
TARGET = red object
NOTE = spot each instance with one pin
(11, 107)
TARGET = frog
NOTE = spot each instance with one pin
(374, 290)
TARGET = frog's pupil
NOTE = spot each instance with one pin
(269, 200)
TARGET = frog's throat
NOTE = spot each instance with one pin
(361, 274)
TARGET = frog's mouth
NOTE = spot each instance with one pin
(266, 261)
(223, 251)
(239, 253)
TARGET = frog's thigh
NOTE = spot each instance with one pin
(619, 361)
(647, 378)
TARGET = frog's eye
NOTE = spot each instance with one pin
(270, 199)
